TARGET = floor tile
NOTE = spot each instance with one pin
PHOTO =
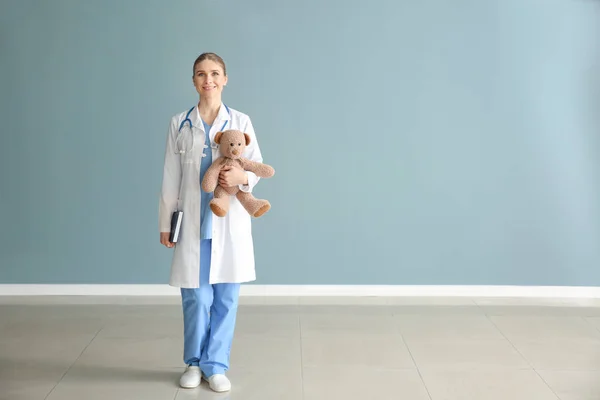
(278, 325)
(584, 307)
(437, 327)
(431, 301)
(31, 381)
(343, 301)
(268, 300)
(582, 302)
(271, 309)
(561, 354)
(265, 352)
(50, 322)
(148, 310)
(520, 301)
(174, 300)
(58, 351)
(142, 327)
(436, 309)
(341, 310)
(548, 327)
(466, 354)
(573, 385)
(128, 352)
(486, 385)
(326, 383)
(536, 310)
(594, 321)
(347, 323)
(101, 383)
(44, 312)
(60, 300)
(360, 350)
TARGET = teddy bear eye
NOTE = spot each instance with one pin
(239, 144)
(232, 144)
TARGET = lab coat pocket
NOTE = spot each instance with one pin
(189, 162)
(191, 157)
(194, 144)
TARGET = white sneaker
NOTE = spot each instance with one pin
(218, 383)
(190, 378)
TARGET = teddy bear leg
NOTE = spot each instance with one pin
(220, 202)
(255, 207)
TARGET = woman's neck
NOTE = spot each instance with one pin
(209, 109)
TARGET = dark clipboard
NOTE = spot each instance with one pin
(176, 220)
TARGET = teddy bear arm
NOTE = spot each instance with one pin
(260, 169)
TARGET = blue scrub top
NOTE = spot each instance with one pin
(205, 211)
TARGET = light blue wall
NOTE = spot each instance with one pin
(415, 142)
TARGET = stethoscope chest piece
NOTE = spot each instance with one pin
(181, 149)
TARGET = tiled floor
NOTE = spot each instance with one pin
(309, 348)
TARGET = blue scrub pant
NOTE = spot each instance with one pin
(209, 314)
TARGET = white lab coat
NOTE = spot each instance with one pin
(232, 259)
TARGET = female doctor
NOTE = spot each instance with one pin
(213, 255)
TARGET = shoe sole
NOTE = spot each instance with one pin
(189, 386)
(214, 390)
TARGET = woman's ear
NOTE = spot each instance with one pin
(218, 137)
(247, 138)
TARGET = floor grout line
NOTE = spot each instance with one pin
(586, 319)
(301, 355)
(74, 362)
(414, 362)
(522, 356)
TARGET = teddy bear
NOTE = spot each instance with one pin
(231, 145)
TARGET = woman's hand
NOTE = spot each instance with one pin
(232, 176)
(164, 239)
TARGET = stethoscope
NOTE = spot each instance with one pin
(180, 149)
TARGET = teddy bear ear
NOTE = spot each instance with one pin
(218, 137)
(247, 138)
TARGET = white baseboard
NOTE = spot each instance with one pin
(313, 290)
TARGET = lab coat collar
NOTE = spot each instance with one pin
(222, 116)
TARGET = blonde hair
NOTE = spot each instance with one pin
(211, 57)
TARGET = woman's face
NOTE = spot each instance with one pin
(209, 78)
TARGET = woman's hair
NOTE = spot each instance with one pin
(211, 57)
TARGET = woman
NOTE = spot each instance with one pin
(213, 255)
